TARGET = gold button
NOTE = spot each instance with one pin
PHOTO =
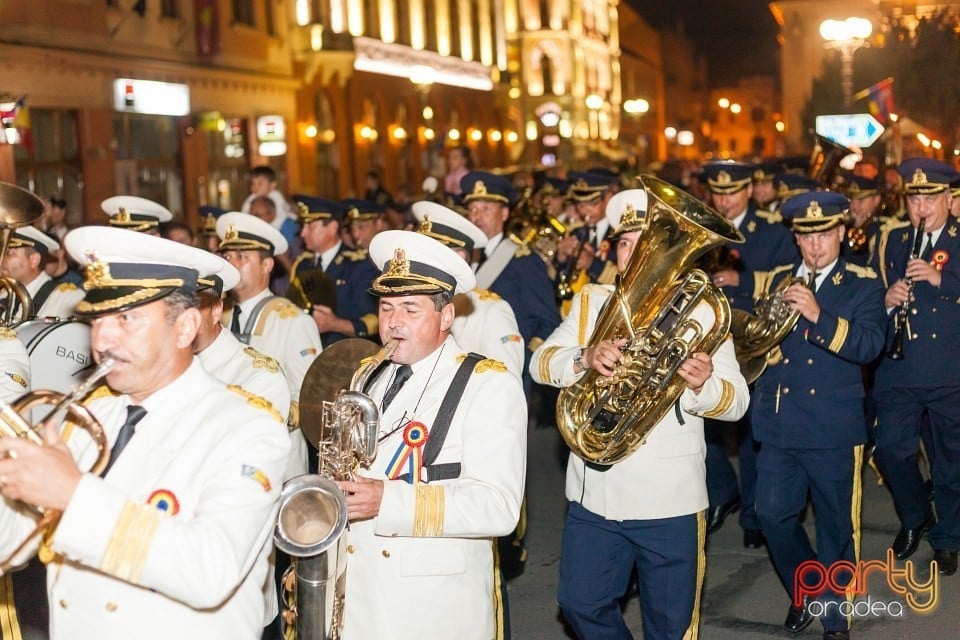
(934, 336)
(810, 361)
(915, 336)
(786, 361)
(63, 604)
(786, 390)
(813, 392)
(386, 554)
(111, 607)
(350, 548)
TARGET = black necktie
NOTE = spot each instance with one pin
(403, 372)
(927, 252)
(135, 414)
(235, 322)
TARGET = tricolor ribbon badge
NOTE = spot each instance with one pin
(940, 258)
(164, 500)
(409, 454)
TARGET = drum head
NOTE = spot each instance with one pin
(327, 376)
(59, 352)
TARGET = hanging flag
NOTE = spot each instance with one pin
(15, 122)
(879, 99)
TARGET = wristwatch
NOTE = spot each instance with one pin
(578, 365)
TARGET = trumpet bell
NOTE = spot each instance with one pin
(18, 206)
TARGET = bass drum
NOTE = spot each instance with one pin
(59, 352)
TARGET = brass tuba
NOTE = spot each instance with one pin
(63, 406)
(18, 208)
(313, 510)
(604, 419)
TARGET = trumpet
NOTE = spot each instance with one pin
(903, 311)
(64, 407)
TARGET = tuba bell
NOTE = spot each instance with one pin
(604, 419)
(18, 208)
(63, 407)
(313, 510)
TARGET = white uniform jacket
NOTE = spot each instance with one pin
(666, 476)
(14, 366)
(232, 362)
(423, 568)
(174, 542)
(283, 332)
(60, 303)
(485, 324)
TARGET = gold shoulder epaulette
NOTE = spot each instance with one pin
(6, 333)
(102, 391)
(772, 217)
(282, 307)
(489, 364)
(67, 286)
(262, 360)
(257, 401)
(892, 224)
(861, 272)
(486, 294)
(355, 255)
(522, 250)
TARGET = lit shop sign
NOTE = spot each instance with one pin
(271, 134)
(147, 96)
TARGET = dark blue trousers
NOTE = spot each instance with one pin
(832, 478)
(722, 483)
(899, 415)
(597, 558)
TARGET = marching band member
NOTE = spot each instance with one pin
(173, 538)
(24, 262)
(268, 323)
(807, 408)
(768, 244)
(646, 511)
(925, 380)
(136, 214)
(423, 515)
(484, 322)
(864, 229)
(365, 219)
(351, 273)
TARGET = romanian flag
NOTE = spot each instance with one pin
(15, 121)
(879, 99)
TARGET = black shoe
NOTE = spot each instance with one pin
(753, 539)
(716, 515)
(908, 540)
(836, 635)
(798, 618)
(946, 561)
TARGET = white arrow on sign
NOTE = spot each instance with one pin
(850, 130)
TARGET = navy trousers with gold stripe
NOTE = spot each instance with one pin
(832, 478)
(597, 558)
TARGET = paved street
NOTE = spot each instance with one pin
(743, 599)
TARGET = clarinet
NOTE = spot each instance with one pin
(903, 311)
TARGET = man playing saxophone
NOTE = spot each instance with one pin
(449, 474)
(807, 407)
(925, 380)
(647, 510)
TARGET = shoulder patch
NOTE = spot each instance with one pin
(262, 360)
(355, 255)
(772, 217)
(486, 294)
(256, 401)
(282, 307)
(67, 286)
(861, 272)
(7, 333)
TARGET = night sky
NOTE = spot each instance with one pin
(739, 37)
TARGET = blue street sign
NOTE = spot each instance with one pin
(850, 130)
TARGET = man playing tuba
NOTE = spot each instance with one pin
(646, 511)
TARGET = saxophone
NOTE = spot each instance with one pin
(313, 510)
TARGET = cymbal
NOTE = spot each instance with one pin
(329, 374)
(18, 206)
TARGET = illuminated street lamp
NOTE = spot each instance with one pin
(846, 36)
(636, 107)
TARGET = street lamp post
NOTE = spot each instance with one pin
(423, 77)
(846, 36)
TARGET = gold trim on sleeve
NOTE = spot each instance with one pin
(727, 393)
(843, 328)
(428, 510)
(126, 552)
(545, 357)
